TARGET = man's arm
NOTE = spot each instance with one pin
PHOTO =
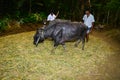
(93, 21)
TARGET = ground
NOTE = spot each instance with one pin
(21, 60)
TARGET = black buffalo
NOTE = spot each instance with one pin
(61, 32)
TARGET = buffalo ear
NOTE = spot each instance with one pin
(42, 28)
(44, 21)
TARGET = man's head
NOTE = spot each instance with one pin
(51, 13)
(87, 12)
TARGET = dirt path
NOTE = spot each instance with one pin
(112, 65)
(105, 38)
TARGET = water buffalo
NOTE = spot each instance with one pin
(61, 32)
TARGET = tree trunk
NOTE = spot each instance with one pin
(30, 6)
(116, 18)
(108, 16)
(89, 3)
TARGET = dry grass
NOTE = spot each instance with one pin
(114, 34)
(21, 60)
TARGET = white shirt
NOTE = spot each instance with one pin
(51, 17)
(88, 20)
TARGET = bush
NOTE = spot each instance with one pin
(43, 15)
(4, 24)
(32, 18)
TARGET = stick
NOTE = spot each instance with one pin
(57, 14)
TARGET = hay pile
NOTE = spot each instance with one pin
(21, 60)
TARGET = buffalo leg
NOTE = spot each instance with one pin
(53, 50)
(56, 43)
(64, 47)
(78, 41)
(83, 43)
(87, 37)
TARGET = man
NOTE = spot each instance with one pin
(52, 16)
(89, 20)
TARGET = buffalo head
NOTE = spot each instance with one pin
(39, 36)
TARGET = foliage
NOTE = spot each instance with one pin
(4, 24)
(105, 11)
(32, 18)
(43, 15)
(113, 5)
